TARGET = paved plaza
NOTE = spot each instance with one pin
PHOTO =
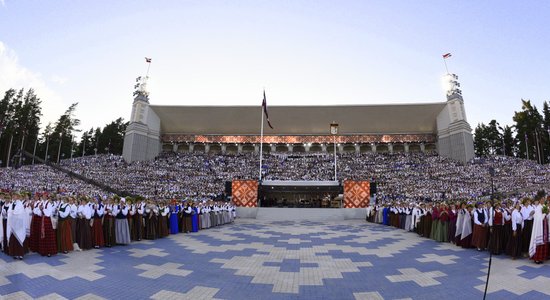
(253, 259)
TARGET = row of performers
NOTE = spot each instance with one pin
(48, 226)
(516, 229)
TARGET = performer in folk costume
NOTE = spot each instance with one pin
(507, 228)
(435, 222)
(451, 230)
(163, 220)
(5, 238)
(130, 217)
(194, 218)
(122, 231)
(496, 228)
(17, 224)
(213, 217)
(466, 234)
(47, 245)
(73, 217)
(138, 220)
(187, 223)
(206, 223)
(428, 222)
(83, 229)
(538, 246)
(174, 210)
(64, 234)
(151, 220)
(109, 234)
(98, 210)
(527, 212)
(479, 235)
(442, 234)
(514, 244)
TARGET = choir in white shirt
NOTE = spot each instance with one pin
(50, 224)
(516, 228)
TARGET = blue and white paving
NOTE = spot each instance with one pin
(253, 259)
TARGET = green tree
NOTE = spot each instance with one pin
(63, 134)
(528, 123)
(510, 143)
(481, 144)
(20, 114)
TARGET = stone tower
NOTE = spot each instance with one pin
(142, 138)
(454, 133)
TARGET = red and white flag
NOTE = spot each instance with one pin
(148, 60)
(446, 55)
(264, 105)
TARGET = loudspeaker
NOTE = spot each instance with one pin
(228, 188)
(373, 188)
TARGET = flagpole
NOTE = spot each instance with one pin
(148, 67)
(261, 138)
(445, 62)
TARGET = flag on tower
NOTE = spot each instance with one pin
(264, 105)
(148, 60)
(446, 55)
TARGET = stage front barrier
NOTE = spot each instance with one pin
(356, 194)
(245, 193)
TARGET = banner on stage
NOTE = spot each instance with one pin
(356, 194)
(244, 193)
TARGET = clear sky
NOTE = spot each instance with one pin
(302, 52)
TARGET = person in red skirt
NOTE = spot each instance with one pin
(98, 209)
(47, 245)
(538, 246)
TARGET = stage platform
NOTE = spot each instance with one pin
(300, 214)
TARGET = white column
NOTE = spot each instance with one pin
(323, 147)
(191, 147)
(273, 148)
(422, 147)
(390, 147)
(239, 148)
(256, 148)
(206, 148)
(175, 147)
(406, 145)
(290, 148)
(357, 149)
(224, 148)
(373, 147)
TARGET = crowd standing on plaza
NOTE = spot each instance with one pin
(518, 227)
(50, 223)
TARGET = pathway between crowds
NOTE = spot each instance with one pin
(275, 260)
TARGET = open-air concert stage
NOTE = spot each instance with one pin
(301, 200)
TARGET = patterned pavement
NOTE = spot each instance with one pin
(252, 259)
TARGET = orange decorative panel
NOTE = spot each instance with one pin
(356, 194)
(298, 139)
(245, 193)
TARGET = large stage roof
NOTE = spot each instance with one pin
(299, 120)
